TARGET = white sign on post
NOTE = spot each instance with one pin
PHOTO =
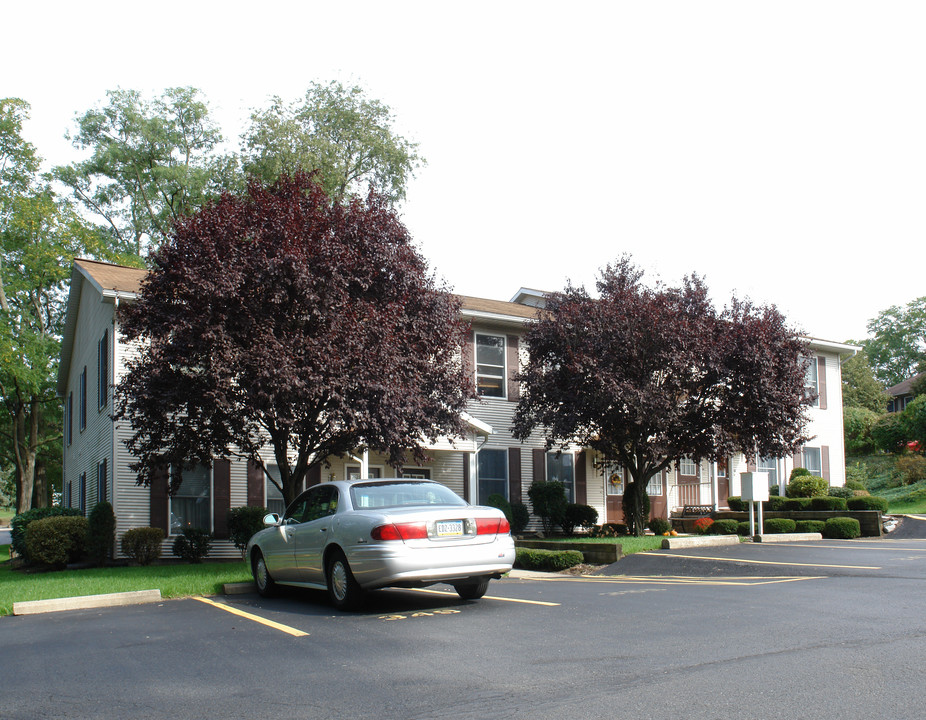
(754, 490)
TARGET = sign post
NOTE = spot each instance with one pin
(754, 490)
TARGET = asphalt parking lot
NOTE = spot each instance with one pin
(825, 629)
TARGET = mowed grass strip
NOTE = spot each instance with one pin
(180, 580)
(629, 543)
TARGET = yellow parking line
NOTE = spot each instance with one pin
(760, 562)
(490, 597)
(256, 618)
(747, 581)
(860, 547)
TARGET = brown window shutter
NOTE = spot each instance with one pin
(581, 489)
(514, 367)
(514, 475)
(821, 382)
(157, 508)
(466, 460)
(255, 485)
(540, 465)
(825, 462)
(798, 459)
(751, 464)
(221, 497)
(313, 476)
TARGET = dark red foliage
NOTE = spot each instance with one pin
(282, 316)
(648, 375)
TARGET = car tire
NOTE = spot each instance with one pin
(343, 589)
(472, 591)
(265, 584)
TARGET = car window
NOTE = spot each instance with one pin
(402, 494)
(322, 501)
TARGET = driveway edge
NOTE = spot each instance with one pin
(134, 597)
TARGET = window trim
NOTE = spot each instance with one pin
(504, 366)
(102, 477)
(69, 419)
(504, 480)
(571, 487)
(170, 499)
(812, 386)
(102, 369)
(819, 457)
(685, 461)
(82, 493)
(82, 400)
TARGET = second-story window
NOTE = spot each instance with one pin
(82, 400)
(102, 370)
(490, 365)
(811, 382)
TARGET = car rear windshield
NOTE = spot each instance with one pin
(402, 494)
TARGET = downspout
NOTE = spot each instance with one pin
(714, 488)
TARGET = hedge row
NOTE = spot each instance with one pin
(547, 560)
(805, 504)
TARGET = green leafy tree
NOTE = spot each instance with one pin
(897, 347)
(857, 424)
(338, 131)
(860, 387)
(151, 162)
(39, 236)
(913, 421)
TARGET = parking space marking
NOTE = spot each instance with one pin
(682, 580)
(861, 547)
(488, 597)
(256, 618)
(760, 562)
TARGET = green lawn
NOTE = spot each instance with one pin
(178, 580)
(6, 514)
(883, 481)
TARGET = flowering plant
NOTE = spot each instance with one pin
(702, 524)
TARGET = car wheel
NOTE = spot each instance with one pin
(472, 591)
(343, 589)
(265, 584)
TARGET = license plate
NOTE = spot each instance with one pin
(448, 528)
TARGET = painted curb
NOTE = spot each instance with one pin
(680, 543)
(786, 537)
(35, 607)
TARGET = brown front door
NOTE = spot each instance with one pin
(614, 496)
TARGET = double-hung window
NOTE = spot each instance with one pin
(191, 505)
(769, 465)
(82, 400)
(490, 365)
(687, 467)
(102, 369)
(101, 473)
(561, 468)
(813, 461)
(492, 469)
(82, 493)
(812, 381)
(69, 419)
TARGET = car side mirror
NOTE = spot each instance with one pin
(271, 519)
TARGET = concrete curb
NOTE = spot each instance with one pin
(680, 543)
(35, 607)
(786, 537)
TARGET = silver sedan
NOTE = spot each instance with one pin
(352, 536)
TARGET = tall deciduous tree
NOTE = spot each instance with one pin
(647, 375)
(282, 316)
(151, 163)
(897, 346)
(338, 131)
(39, 236)
(860, 388)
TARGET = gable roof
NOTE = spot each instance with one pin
(109, 279)
(905, 387)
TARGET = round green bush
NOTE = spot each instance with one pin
(659, 526)
(724, 527)
(497, 500)
(842, 528)
(56, 540)
(192, 544)
(520, 517)
(809, 526)
(547, 560)
(867, 502)
(742, 528)
(243, 522)
(806, 486)
(548, 498)
(143, 544)
(578, 516)
(737, 504)
(775, 526)
(20, 523)
(101, 532)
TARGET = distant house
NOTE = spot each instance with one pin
(489, 460)
(901, 394)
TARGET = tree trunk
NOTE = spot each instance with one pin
(40, 494)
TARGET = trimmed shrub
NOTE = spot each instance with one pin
(192, 544)
(809, 526)
(243, 522)
(776, 526)
(799, 472)
(737, 504)
(520, 517)
(20, 522)
(724, 527)
(742, 528)
(828, 502)
(841, 492)
(579, 516)
(856, 485)
(659, 526)
(56, 540)
(774, 504)
(101, 532)
(806, 486)
(703, 525)
(796, 504)
(547, 560)
(143, 544)
(499, 501)
(842, 528)
(548, 498)
(867, 502)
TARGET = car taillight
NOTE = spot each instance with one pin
(492, 526)
(400, 531)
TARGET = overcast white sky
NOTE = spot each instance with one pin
(778, 148)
